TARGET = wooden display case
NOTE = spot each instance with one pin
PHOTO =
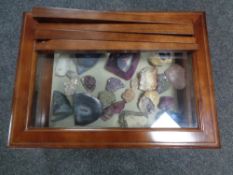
(50, 35)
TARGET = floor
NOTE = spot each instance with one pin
(122, 161)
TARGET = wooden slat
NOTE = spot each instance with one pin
(87, 45)
(176, 29)
(110, 36)
(143, 17)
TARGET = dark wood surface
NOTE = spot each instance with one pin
(205, 136)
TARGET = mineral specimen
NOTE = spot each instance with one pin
(61, 107)
(146, 105)
(113, 84)
(89, 83)
(153, 96)
(115, 108)
(106, 98)
(166, 103)
(163, 83)
(85, 61)
(148, 79)
(87, 109)
(128, 95)
(123, 64)
(176, 76)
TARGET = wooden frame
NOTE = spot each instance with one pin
(48, 29)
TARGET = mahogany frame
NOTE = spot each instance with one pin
(47, 29)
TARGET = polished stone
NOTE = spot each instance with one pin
(61, 107)
(85, 61)
(123, 64)
(87, 109)
(89, 83)
(62, 66)
(176, 76)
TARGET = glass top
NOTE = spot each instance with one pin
(114, 90)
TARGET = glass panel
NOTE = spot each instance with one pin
(113, 90)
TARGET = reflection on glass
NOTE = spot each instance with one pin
(123, 89)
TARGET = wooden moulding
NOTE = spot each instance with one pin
(21, 135)
(172, 29)
(111, 36)
(79, 45)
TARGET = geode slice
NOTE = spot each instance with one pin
(89, 83)
(87, 109)
(166, 103)
(163, 83)
(85, 61)
(61, 107)
(106, 98)
(113, 84)
(176, 76)
(115, 108)
(123, 64)
(128, 95)
(132, 119)
(146, 105)
(148, 79)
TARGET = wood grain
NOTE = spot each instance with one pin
(175, 29)
(87, 45)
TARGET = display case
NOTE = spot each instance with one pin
(113, 79)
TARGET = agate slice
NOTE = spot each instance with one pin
(89, 83)
(166, 103)
(148, 79)
(123, 64)
(87, 109)
(146, 105)
(61, 107)
(128, 95)
(113, 84)
(85, 61)
(131, 119)
(106, 98)
(115, 108)
(176, 76)
(163, 83)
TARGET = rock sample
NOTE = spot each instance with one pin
(176, 76)
(123, 64)
(89, 83)
(106, 98)
(87, 109)
(61, 107)
(148, 79)
(128, 95)
(113, 84)
(85, 61)
(115, 108)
